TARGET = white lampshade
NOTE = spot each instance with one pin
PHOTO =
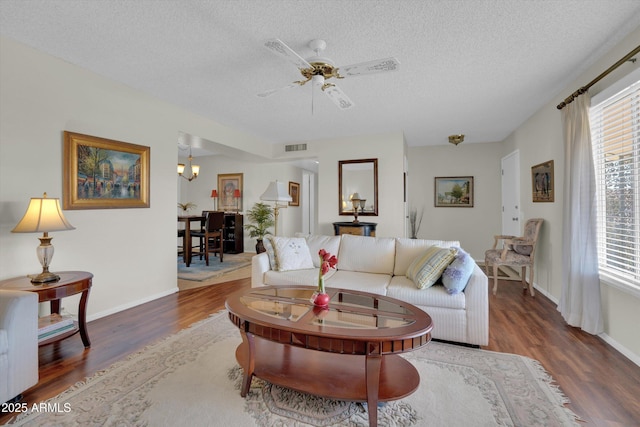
(355, 196)
(276, 192)
(43, 215)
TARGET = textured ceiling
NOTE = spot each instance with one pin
(472, 66)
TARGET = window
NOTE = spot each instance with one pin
(615, 135)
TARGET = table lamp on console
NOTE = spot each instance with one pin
(43, 215)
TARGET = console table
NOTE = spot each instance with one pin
(356, 228)
(70, 283)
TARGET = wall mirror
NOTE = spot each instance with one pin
(358, 177)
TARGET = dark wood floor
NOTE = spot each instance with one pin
(603, 385)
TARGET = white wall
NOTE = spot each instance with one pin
(131, 252)
(473, 227)
(540, 139)
(389, 150)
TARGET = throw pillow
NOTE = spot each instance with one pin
(330, 244)
(523, 249)
(292, 253)
(268, 246)
(427, 268)
(457, 274)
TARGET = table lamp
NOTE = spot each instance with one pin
(236, 196)
(276, 192)
(43, 215)
(214, 196)
(357, 202)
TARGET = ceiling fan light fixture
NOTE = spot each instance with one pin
(456, 139)
(318, 80)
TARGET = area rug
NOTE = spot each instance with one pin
(191, 378)
(198, 270)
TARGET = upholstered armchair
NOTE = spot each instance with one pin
(18, 342)
(515, 252)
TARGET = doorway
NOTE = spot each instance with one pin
(510, 165)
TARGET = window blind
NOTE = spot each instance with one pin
(615, 137)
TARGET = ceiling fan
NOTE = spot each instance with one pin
(319, 69)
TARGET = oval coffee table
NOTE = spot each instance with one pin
(346, 352)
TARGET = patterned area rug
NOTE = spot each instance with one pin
(192, 378)
(198, 270)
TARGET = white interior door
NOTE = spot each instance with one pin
(511, 194)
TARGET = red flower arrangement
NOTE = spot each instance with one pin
(327, 262)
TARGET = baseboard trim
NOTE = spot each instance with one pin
(131, 304)
(606, 338)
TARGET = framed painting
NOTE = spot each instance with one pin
(542, 182)
(230, 192)
(102, 173)
(454, 192)
(294, 192)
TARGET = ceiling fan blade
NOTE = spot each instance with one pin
(278, 47)
(370, 67)
(338, 97)
(272, 91)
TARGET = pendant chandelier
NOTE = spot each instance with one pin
(195, 169)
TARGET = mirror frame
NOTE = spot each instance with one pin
(374, 163)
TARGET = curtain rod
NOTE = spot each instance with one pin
(583, 89)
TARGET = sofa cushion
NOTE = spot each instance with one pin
(330, 244)
(366, 254)
(404, 289)
(292, 253)
(408, 249)
(457, 274)
(358, 281)
(428, 267)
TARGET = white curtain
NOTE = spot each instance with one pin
(580, 301)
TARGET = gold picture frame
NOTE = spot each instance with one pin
(100, 173)
(294, 192)
(542, 182)
(228, 183)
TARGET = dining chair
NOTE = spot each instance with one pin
(516, 252)
(210, 237)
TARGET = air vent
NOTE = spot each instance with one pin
(295, 147)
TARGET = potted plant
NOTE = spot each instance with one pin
(415, 220)
(261, 217)
(186, 207)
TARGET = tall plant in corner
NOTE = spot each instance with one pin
(261, 217)
(415, 220)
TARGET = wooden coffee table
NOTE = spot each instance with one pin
(348, 352)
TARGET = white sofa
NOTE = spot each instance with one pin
(18, 342)
(378, 265)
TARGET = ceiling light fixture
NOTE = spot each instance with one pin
(195, 169)
(456, 139)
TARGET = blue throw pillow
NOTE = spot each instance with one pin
(457, 274)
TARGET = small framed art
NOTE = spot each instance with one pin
(230, 192)
(454, 192)
(294, 192)
(542, 186)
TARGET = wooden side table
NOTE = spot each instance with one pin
(70, 283)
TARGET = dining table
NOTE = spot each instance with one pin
(186, 239)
